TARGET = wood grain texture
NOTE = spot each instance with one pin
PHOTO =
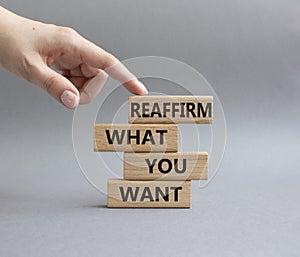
(170, 109)
(166, 166)
(148, 194)
(135, 138)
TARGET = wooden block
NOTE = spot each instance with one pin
(170, 109)
(148, 194)
(166, 166)
(135, 138)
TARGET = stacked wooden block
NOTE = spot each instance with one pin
(155, 173)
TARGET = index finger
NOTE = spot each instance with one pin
(99, 58)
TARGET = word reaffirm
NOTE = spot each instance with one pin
(170, 109)
(183, 110)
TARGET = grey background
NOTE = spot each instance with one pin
(249, 52)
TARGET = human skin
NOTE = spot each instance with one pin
(31, 49)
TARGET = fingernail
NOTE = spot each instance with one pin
(142, 87)
(69, 99)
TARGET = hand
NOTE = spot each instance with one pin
(29, 49)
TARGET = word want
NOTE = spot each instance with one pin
(126, 193)
(149, 194)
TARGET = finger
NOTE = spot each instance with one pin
(98, 58)
(89, 71)
(91, 88)
(78, 82)
(82, 70)
(66, 73)
(76, 72)
(56, 85)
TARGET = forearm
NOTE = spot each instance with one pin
(7, 18)
(8, 24)
(12, 28)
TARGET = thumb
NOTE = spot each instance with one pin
(56, 85)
